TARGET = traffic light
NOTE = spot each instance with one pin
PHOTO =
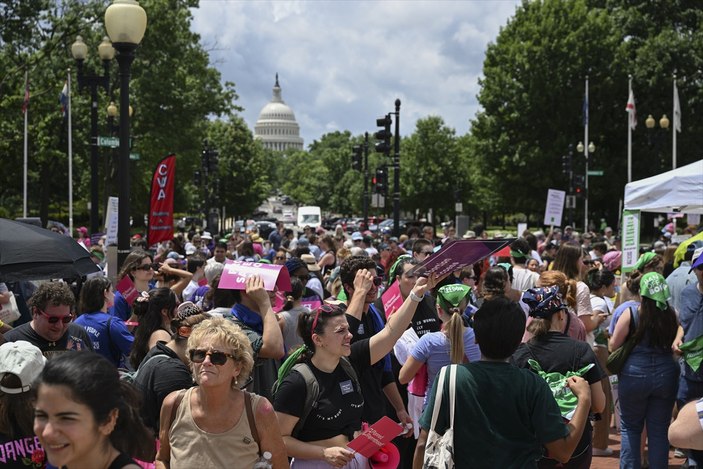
(381, 180)
(580, 185)
(356, 157)
(205, 160)
(383, 136)
(214, 161)
(566, 164)
(197, 178)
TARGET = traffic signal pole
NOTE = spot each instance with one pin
(366, 179)
(396, 172)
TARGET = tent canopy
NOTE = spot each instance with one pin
(678, 190)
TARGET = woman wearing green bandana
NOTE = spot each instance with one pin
(648, 381)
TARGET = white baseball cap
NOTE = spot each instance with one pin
(23, 360)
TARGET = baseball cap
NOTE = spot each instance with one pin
(23, 360)
(356, 236)
(697, 259)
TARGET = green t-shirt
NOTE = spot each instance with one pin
(503, 416)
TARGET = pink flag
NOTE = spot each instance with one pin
(630, 109)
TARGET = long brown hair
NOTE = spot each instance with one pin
(132, 261)
(660, 326)
(568, 260)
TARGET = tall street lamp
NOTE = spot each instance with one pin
(79, 50)
(656, 138)
(586, 150)
(125, 22)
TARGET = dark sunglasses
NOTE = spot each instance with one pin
(55, 319)
(147, 267)
(216, 358)
(377, 281)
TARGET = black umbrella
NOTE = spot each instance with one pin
(29, 252)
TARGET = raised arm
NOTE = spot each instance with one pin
(271, 337)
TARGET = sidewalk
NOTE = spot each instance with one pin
(610, 462)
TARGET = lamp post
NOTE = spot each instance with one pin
(396, 172)
(79, 50)
(125, 22)
(586, 150)
(656, 142)
(110, 165)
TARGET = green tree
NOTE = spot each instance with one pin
(432, 168)
(242, 171)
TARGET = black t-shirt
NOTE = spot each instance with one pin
(158, 378)
(557, 352)
(14, 452)
(75, 338)
(371, 377)
(425, 318)
(340, 402)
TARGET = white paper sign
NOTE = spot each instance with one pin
(113, 205)
(554, 208)
(521, 228)
(693, 218)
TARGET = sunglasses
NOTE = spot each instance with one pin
(327, 309)
(55, 319)
(427, 253)
(216, 358)
(377, 281)
(146, 267)
(280, 258)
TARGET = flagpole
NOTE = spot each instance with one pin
(677, 109)
(585, 154)
(629, 134)
(70, 157)
(24, 164)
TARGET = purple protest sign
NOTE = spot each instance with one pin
(235, 274)
(457, 254)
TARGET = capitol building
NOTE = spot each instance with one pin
(276, 126)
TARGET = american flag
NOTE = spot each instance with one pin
(63, 99)
(630, 108)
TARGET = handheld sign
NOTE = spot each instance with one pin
(235, 274)
(457, 254)
(127, 289)
(555, 207)
(392, 299)
(375, 437)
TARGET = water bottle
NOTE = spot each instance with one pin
(264, 462)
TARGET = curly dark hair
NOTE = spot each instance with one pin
(52, 293)
(349, 268)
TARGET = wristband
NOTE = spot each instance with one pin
(415, 298)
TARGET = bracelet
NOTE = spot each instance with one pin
(415, 298)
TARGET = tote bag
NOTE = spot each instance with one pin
(439, 450)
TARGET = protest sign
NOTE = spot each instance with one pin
(555, 207)
(235, 274)
(457, 254)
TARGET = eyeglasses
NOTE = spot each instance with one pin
(146, 267)
(216, 358)
(280, 258)
(55, 319)
(377, 281)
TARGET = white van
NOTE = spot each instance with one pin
(309, 216)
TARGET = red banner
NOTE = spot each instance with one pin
(161, 201)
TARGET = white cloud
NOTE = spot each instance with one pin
(342, 64)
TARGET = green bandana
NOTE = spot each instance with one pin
(693, 353)
(644, 260)
(557, 383)
(392, 272)
(654, 287)
(517, 254)
(450, 296)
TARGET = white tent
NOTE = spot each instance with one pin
(678, 190)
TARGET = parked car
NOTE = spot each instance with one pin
(265, 228)
(285, 200)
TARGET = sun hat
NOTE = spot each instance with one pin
(23, 360)
(697, 259)
(309, 260)
(470, 234)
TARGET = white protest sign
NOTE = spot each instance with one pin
(554, 208)
(113, 204)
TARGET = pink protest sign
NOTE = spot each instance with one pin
(374, 437)
(235, 274)
(127, 289)
(392, 299)
(457, 254)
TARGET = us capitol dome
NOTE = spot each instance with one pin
(276, 126)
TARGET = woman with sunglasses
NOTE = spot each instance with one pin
(85, 416)
(155, 312)
(138, 266)
(216, 424)
(110, 336)
(165, 368)
(321, 440)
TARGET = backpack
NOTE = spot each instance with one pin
(131, 376)
(312, 388)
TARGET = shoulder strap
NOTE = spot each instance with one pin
(312, 391)
(252, 420)
(176, 404)
(349, 370)
(452, 391)
(438, 397)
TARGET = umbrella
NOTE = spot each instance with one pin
(29, 252)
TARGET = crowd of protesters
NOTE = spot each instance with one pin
(189, 374)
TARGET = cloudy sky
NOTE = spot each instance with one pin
(342, 64)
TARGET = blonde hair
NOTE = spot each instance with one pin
(454, 330)
(231, 336)
(567, 286)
